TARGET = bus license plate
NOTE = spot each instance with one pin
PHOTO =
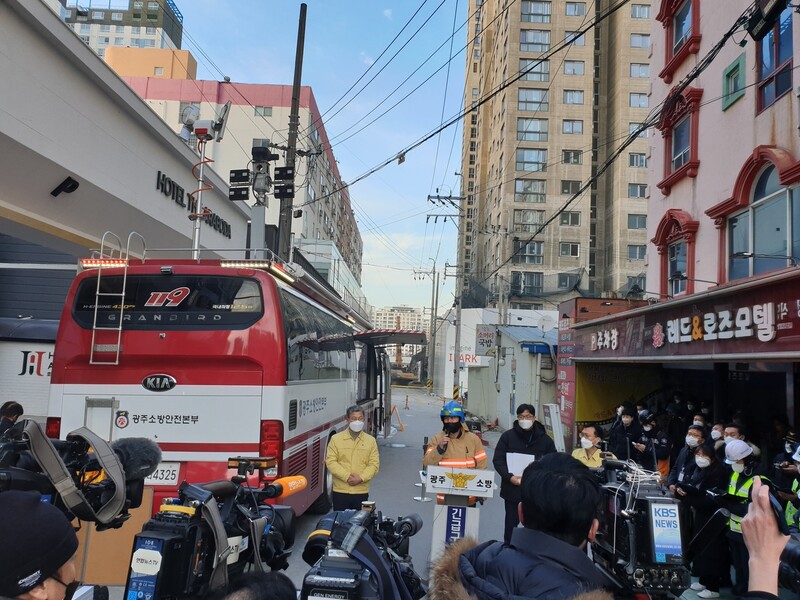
(165, 474)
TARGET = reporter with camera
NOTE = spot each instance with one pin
(38, 549)
(546, 558)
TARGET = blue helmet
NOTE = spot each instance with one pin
(452, 409)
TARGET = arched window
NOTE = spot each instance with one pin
(675, 241)
(681, 22)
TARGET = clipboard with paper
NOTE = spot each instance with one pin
(516, 462)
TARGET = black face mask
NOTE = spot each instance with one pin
(452, 427)
(69, 588)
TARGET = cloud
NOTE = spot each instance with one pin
(387, 12)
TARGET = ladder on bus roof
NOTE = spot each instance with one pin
(111, 252)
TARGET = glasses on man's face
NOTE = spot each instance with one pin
(361, 418)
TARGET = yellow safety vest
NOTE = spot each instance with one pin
(735, 521)
(791, 511)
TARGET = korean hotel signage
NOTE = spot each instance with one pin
(177, 194)
(764, 319)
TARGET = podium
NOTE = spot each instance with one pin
(455, 518)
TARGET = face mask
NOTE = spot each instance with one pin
(619, 410)
(525, 423)
(698, 423)
(788, 448)
(716, 434)
(691, 441)
(702, 461)
(586, 444)
(738, 467)
(69, 588)
(627, 421)
(452, 427)
(729, 439)
(648, 427)
(356, 426)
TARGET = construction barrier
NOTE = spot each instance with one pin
(400, 426)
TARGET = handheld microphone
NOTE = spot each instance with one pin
(285, 486)
(139, 457)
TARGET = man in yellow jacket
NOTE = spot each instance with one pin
(353, 460)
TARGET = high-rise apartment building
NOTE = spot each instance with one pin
(401, 317)
(542, 119)
(104, 24)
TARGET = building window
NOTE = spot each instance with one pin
(532, 130)
(152, 6)
(637, 190)
(85, 39)
(528, 221)
(574, 67)
(150, 31)
(681, 22)
(575, 38)
(118, 41)
(637, 221)
(534, 69)
(573, 96)
(568, 281)
(105, 28)
(135, 30)
(103, 41)
(530, 190)
(570, 218)
(636, 251)
(119, 29)
(640, 70)
(733, 82)
(638, 100)
(85, 28)
(634, 127)
(637, 281)
(526, 284)
(769, 228)
(576, 9)
(571, 126)
(263, 111)
(532, 99)
(534, 40)
(138, 4)
(531, 253)
(116, 16)
(640, 11)
(680, 130)
(640, 40)
(152, 17)
(774, 61)
(531, 160)
(572, 157)
(158, 71)
(101, 52)
(98, 14)
(535, 12)
(637, 160)
(570, 186)
(676, 268)
(569, 249)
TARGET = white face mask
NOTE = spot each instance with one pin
(702, 461)
(716, 434)
(738, 467)
(525, 423)
(619, 410)
(648, 427)
(691, 441)
(729, 439)
(788, 448)
(356, 426)
(586, 444)
(700, 423)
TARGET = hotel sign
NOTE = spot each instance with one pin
(177, 194)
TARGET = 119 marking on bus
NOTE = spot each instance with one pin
(173, 298)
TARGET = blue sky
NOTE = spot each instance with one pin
(253, 41)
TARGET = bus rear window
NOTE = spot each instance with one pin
(169, 302)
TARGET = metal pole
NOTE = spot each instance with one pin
(433, 331)
(198, 203)
(457, 351)
(285, 215)
(433, 322)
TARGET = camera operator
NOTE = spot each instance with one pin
(546, 558)
(527, 436)
(271, 585)
(713, 564)
(653, 445)
(624, 435)
(37, 549)
(10, 412)
(739, 455)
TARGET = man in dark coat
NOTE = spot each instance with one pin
(528, 437)
(546, 557)
(684, 465)
(622, 438)
(653, 445)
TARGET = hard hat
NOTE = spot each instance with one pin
(452, 409)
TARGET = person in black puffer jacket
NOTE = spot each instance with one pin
(546, 558)
(529, 437)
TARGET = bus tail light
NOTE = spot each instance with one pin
(271, 444)
(52, 428)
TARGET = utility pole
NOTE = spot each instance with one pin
(434, 302)
(457, 324)
(285, 214)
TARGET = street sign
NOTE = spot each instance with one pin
(485, 338)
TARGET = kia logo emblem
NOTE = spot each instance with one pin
(159, 383)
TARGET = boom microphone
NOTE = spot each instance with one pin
(139, 457)
(285, 486)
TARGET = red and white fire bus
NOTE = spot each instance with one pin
(214, 359)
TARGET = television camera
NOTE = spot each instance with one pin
(84, 475)
(639, 543)
(362, 555)
(211, 531)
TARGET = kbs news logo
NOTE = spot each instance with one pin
(37, 363)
